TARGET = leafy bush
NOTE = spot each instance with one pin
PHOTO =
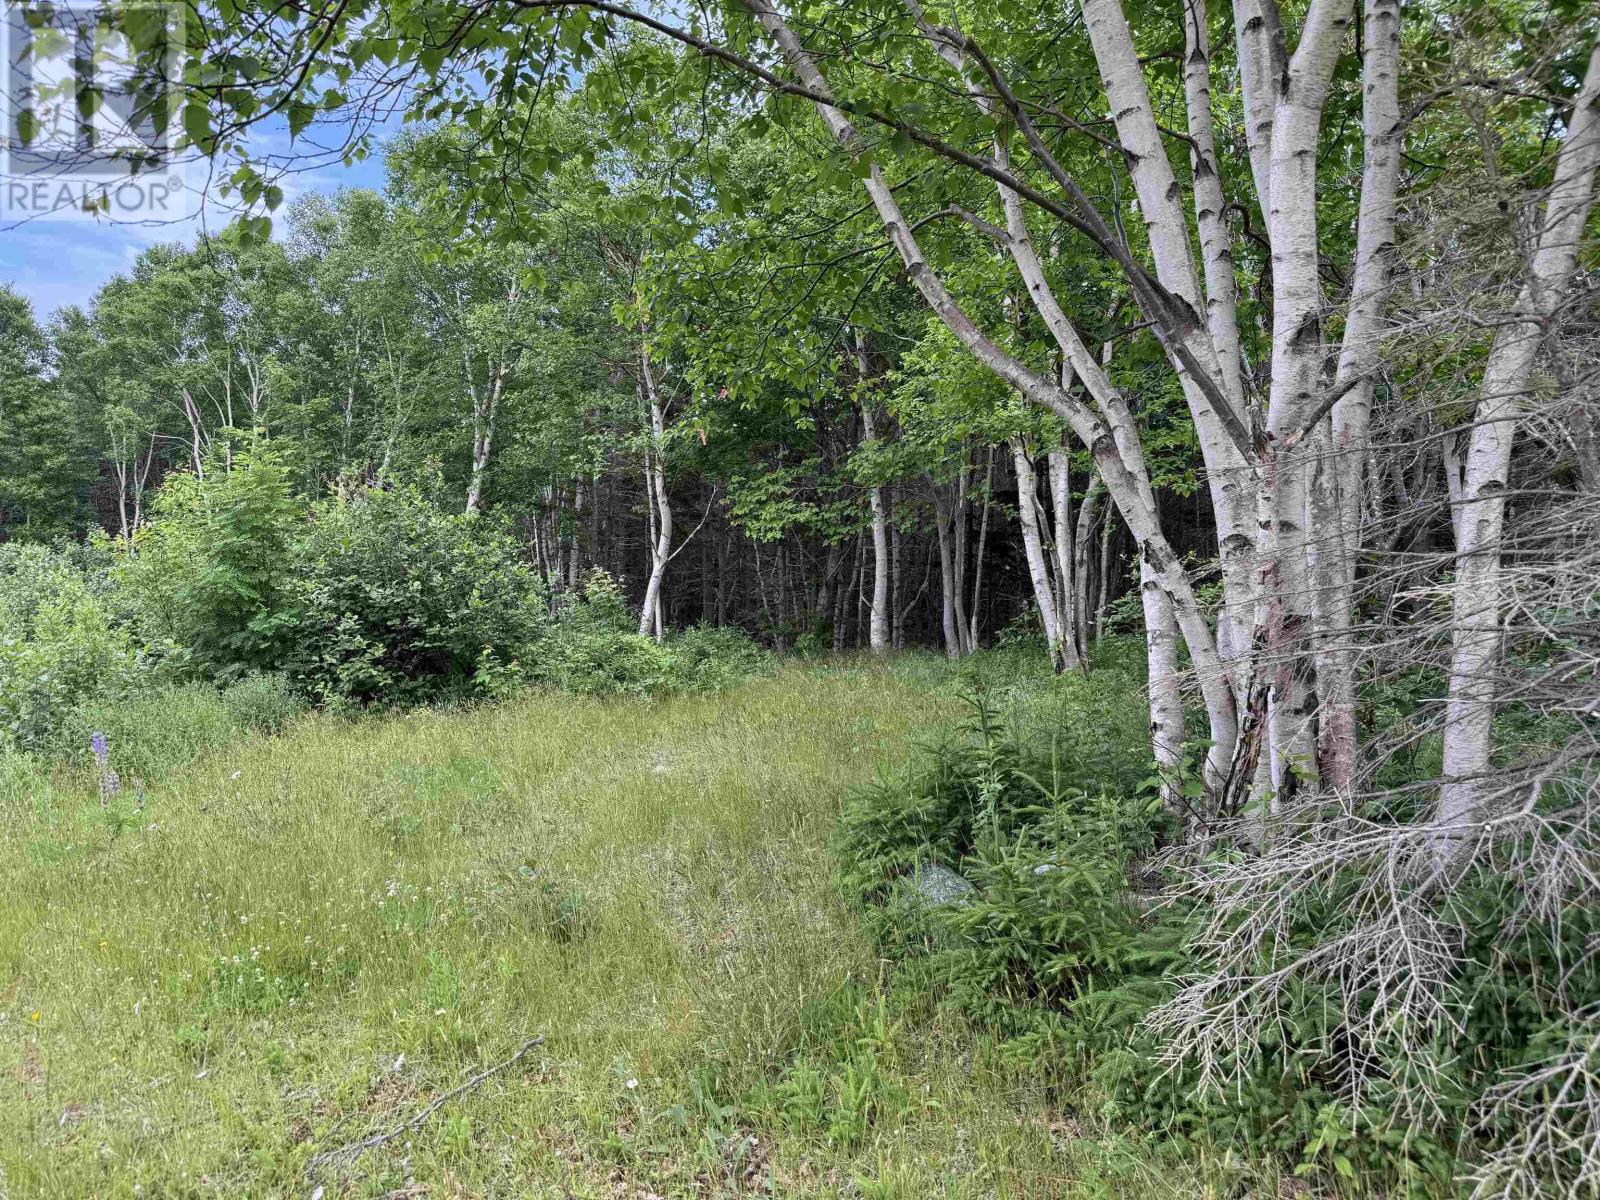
(594, 648)
(707, 658)
(210, 571)
(61, 642)
(71, 666)
(400, 602)
(378, 597)
(262, 703)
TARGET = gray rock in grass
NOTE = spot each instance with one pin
(936, 884)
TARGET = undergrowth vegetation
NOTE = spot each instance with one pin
(237, 606)
(1087, 921)
(297, 943)
(290, 944)
(247, 950)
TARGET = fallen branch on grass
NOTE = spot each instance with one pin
(355, 1150)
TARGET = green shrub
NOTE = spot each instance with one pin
(61, 643)
(400, 602)
(1054, 948)
(1001, 770)
(1048, 808)
(1060, 955)
(593, 647)
(210, 571)
(262, 703)
(707, 658)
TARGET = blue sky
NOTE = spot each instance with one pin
(59, 262)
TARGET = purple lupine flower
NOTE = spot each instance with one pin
(110, 783)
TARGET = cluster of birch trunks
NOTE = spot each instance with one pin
(1285, 442)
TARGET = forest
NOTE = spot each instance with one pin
(871, 598)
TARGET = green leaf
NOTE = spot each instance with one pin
(197, 123)
(300, 114)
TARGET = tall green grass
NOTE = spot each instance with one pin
(301, 940)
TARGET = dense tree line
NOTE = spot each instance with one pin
(828, 497)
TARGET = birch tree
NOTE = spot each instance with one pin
(878, 637)
(1476, 598)
(658, 504)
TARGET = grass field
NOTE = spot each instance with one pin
(305, 942)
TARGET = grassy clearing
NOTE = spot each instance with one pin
(304, 940)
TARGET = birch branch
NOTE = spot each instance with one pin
(354, 1150)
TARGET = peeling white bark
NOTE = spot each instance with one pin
(650, 621)
(1340, 454)
(1476, 601)
(1033, 547)
(1296, 368)
(1166, 698)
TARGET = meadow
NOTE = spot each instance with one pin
(227, 981)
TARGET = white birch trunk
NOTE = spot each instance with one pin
(1166, 699)
(1297, 358)
(196, 435)
(656, 487)
(983, 542)
(878, 626)
(1210, 206)
(1476, 602)
(1231, 478)
(1258, 35)
(947, 577)
(1340, 484)
(1089, 513)
(959, 533)
(485, 407)
(1066, 584)
(1033, 548)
